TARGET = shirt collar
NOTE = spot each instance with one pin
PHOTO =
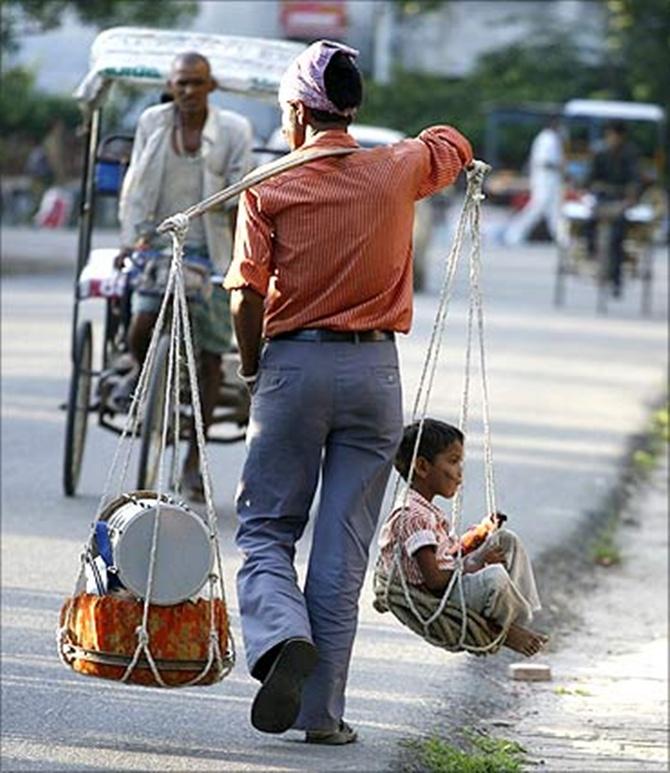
(418, 500)
(331, 138)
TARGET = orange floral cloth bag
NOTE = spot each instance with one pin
(99, 637)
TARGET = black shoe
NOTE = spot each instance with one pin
(277, 703)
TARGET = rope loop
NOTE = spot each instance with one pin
(177, 224)
(475, 179)
(467, 221)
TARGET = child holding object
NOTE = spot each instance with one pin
(497, 580)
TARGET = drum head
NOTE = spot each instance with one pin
(184, 554)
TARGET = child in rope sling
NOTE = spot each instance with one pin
(497, 581)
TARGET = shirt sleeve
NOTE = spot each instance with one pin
(252, 255)
(415, 531)
(446, 152)
(130, 182)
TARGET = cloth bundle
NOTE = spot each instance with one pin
(445, 630)
(99, 637)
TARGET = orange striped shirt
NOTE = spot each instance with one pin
(329, 244)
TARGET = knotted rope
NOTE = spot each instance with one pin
(180, 330)
(427, 616)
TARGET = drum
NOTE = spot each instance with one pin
(184, 551)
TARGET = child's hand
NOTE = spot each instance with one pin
(495, 555)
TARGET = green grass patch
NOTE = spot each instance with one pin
(577, 691)
(482, 754)
(604, 550)
(603, 547)
(656, 441)
(661, 424)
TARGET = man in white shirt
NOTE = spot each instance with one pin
(546, 162)
(185, 151)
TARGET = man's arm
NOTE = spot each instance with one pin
(247, 311)
(130, 183)
(446, 152)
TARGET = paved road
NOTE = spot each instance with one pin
(566, 388)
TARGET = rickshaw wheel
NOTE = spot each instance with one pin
(152, 424)
(78, 407)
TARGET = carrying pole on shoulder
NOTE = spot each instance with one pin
(257, 176)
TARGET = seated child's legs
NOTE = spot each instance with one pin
(491, 593)
(518, 565)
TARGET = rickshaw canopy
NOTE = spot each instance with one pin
(613, 110)
(246, 65)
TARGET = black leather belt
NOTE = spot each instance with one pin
(322, 335)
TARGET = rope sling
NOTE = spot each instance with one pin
(445, 621)
(83, 611)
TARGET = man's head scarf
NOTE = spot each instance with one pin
(303, 80)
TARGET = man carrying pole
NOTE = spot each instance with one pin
(321, 282)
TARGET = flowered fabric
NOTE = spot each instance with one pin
(178, 638)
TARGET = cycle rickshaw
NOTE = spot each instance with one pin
(143, 57)
(584, 120)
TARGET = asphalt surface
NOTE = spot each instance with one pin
(567, 389)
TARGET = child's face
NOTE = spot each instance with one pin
(444, 474)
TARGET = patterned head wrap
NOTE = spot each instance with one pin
(303, 79)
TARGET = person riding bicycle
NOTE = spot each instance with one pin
(184, 150)
(615, 182)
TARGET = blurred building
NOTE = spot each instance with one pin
(444, 41)
(449, 40)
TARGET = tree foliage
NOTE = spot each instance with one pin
(638, 43)
(520, 73)
(24, 17)
(26, 114)
(25, 110)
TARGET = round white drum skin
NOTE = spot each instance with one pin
(184, 555)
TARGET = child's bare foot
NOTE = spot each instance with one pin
(524, 640)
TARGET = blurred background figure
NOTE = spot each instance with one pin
(545, 171)
(47, 167)
(615, 182)
(39, 170)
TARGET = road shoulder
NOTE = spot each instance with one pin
(606, 708)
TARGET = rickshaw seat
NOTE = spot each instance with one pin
(100, 278)
(112, 160)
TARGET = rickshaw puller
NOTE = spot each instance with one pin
(184, 151)
(614, 180)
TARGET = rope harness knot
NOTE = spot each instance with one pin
(177, 224)
(475, 179)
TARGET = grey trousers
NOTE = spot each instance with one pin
(319, 410)
(505, 593)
